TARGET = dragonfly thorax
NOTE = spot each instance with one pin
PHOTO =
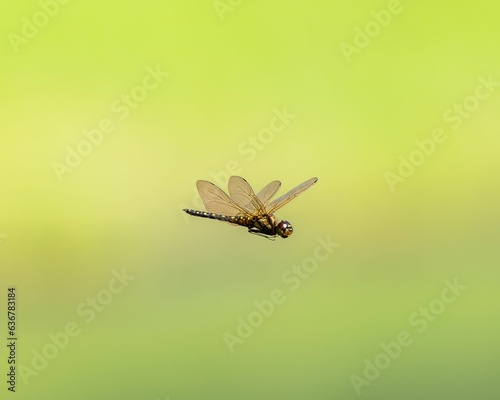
(284, 229)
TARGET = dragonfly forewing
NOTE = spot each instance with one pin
(268, 191)
(282, 200)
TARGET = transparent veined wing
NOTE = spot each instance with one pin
(269, 191)
(282, 200)
(218, 202)
(243, 195)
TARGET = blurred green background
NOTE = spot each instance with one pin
(222, 72)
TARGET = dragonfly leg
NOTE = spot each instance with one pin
(258, 233)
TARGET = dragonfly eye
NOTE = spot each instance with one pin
(284, 229)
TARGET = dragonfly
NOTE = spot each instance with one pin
(243, 207)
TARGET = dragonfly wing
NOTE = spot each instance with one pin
(282, 200)
(216, 201)
(269, 191)
(243, 195)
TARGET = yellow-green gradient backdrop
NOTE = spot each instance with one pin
(188, 90)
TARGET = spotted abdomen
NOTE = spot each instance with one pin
(239, 220)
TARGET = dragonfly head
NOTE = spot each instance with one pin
(284, 229)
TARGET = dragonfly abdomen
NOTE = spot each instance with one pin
(240, 220)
